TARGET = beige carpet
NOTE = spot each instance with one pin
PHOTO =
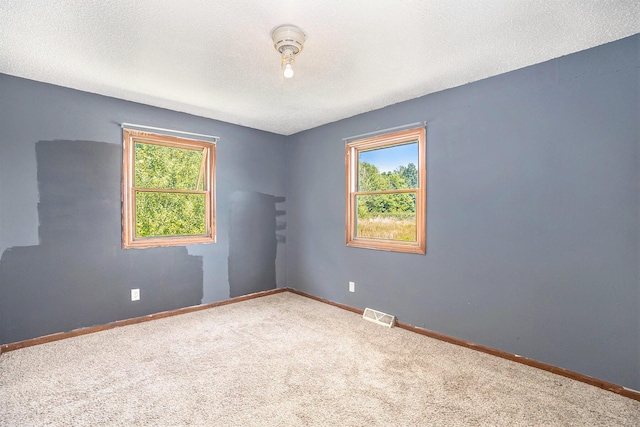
(286, 360)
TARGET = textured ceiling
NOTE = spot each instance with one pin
(216, 59)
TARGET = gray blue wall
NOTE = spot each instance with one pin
(61, 264)
(532, 214)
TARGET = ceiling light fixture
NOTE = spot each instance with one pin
(288, 41)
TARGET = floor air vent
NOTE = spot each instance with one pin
(379, 317)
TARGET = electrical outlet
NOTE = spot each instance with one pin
(135, 294)
(352, 286)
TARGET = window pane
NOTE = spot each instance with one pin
(169, 214)
(158, 166)
(387, 216)
(388, 168)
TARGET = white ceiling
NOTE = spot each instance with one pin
(216, 59)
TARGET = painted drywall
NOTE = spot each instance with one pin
(532, 214)
(61, 263)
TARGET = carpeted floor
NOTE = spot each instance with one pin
(286, 360)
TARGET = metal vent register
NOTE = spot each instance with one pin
(379, 317)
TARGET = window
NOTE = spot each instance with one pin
(386, 192)
(168, 196)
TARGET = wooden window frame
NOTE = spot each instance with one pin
(129, 239)
(351, 166)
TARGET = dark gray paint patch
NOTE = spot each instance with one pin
(79, 276)
(252, 242)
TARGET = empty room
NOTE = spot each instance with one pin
(319, 213)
